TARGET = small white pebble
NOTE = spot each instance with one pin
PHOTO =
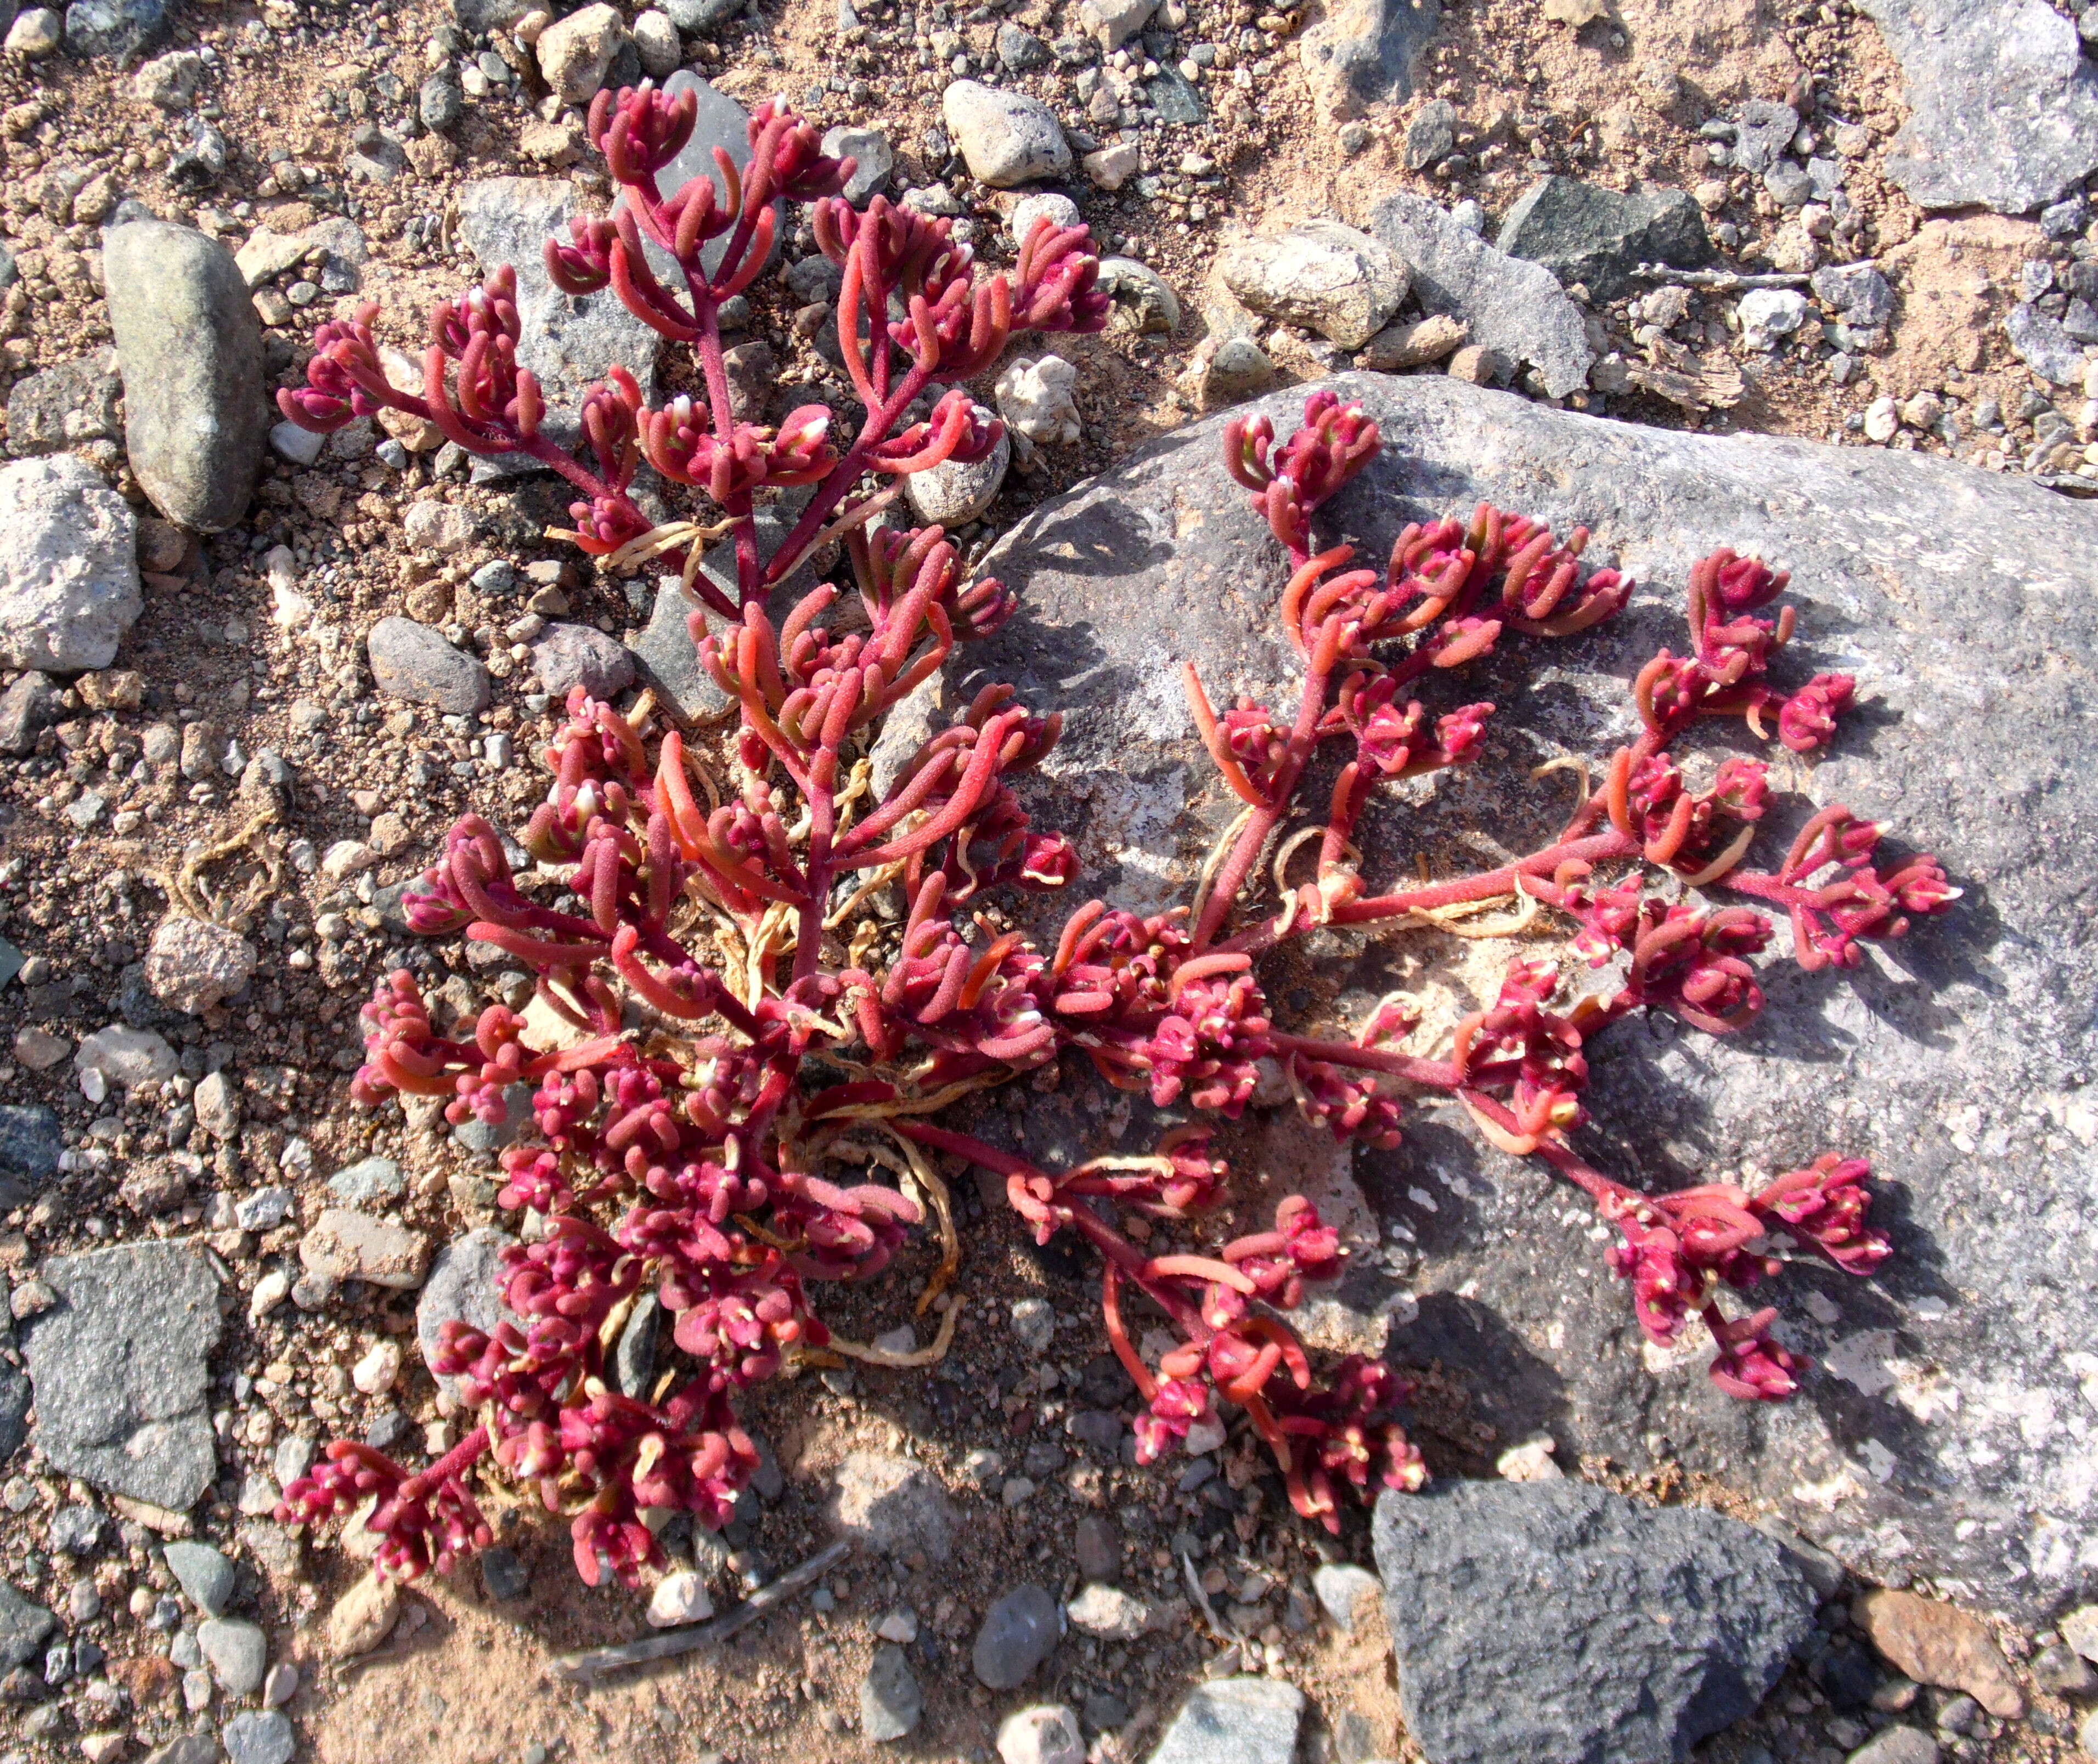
(375, 1372)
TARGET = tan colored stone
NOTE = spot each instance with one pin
(363, 1617)
(1939, 1644)
(1414, 345)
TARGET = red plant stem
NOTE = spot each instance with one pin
(461, 1457)
(1597, 1186)
(1435, 1074)
(1282, 787)
(1130, 1262)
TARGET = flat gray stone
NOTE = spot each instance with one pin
(571, 341)
(412, 661)
(1507, 304)
(68, 566)
(2043, 345)
(190, 344)
(238, 1654)
(890, 1703)
(464, 1286)
(23, 1625)
(368, 1180)
(1235, 1721)
(564, 657)
(64, 406)
(30, 1139)
(720, 122)
(1364, 52)
(1588, 233)
(204, 1574)
(1559, 1621)
(119, 1368)
(1017, 1633)
(114, 30)
(2002, 104)
(1957, 1059)
(260, 1736)
(670, 659)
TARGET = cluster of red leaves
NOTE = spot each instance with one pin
(732, 1029)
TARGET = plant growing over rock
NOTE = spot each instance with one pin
(750, 1041)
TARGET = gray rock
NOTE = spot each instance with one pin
(670, 659)
(1897, 1745)
(412, 661)
(1507, 304)
(15, 1398)
(1762, 131)
(441, 104)
(464, 1286)
(64, 406)
(1432, 136)
(1143, 302)
(23, 1625)
(1339, 1587)
(955, 492)
(721, 121)
(260, 1736)
(568, 656)
(194, 964)
(890, 1703)
(199, 160)
(1235, 1721)
(1787, 183)
(114, 29)
(343, 1245)
(1363, 53)
(1017, 1635)
(1321, 275)
(503, 1574)
(1008, 138)
(119, 1369)
(633, 1358)
(126, 1056)
(891, 1504)
(1019, 50)
(28, 707)
(30, 1139)
(1237, 368)
(2003, 107)
(239, 1653)
(191, 1749)
(2043, 345)
(1175, 98)
(68, 566)
(205, 1575)
(189, 345)
(1588, 233)
(1957, 640)
(876, 159)
(1556, 1620)
(695, 17)
(76, 1530)
(368, 1180)
(571, 341)
(1858, 290)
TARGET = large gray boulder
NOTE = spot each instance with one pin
(1560, 1622)
(189, 345)
(2003, 106)
(119, 1367)
(1940, 1432)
